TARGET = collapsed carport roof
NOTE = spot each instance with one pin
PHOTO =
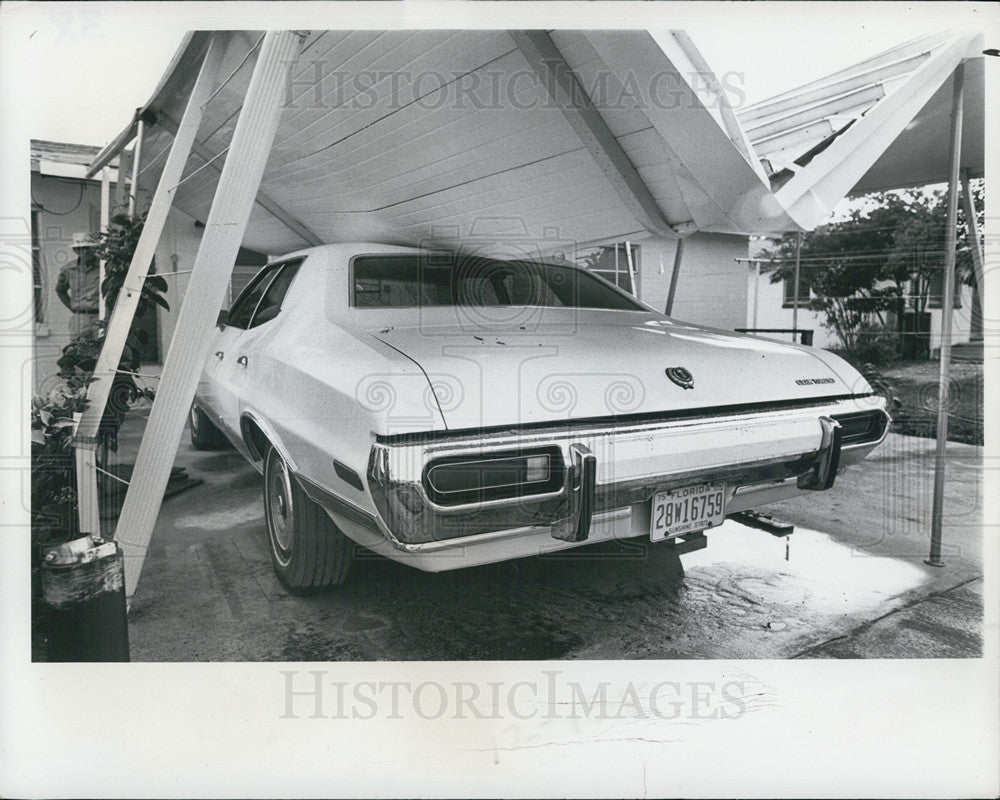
(877, 125)
(391, 159)
(424, 137)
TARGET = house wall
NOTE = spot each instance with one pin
(770, 314)
(711, 288)
(175, 256)
(64, 206)
(68, 205)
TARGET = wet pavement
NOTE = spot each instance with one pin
(853, 583)
(952, 620)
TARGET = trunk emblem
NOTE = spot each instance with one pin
(681, 377)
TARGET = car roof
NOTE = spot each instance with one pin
(344, 251)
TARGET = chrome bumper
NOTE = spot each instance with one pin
(608, 468)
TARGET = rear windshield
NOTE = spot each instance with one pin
(409, 281)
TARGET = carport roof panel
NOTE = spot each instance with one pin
(788, 129)
(402, 134)
(410, 137)
(918, 155)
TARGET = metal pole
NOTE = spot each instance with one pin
(972, 232)
(678, 255)
(756, 291)
(795, 290)
(136, 158)
(239, 182)
(948, 301)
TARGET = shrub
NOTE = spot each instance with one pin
(53, 469)
(874, 344)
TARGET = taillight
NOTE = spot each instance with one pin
(865, 426)
(457, 480)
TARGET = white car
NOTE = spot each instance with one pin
(448, 411)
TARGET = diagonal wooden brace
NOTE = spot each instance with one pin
(206, 291)
(128, 299)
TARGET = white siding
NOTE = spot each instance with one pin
(175, 254)
(712, 287)
(66, 206)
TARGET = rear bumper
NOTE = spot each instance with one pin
(612, 472)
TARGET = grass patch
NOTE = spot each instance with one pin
(915, 384)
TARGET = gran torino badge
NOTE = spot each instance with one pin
(681, 377)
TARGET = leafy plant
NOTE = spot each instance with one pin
(882, 260)
(116, 247)
(79, 357)
(53, 467)
(875, 345)
(54, 517)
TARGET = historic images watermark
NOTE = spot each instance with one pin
(320, 86)
(318, 694)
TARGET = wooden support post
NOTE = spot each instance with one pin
(224, 230)
(136, 160)
(105, 219)
(86, 488)
(121, 186)
(678, 255)
(972, 234)
(631, 270)
(128, 298)
(947, 304)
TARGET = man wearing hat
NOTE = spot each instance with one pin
(78, 286)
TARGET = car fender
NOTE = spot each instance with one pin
(853, 379)
(270, 433)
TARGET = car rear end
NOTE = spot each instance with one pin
(498, 494)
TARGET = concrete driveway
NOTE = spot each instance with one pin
(851, 583)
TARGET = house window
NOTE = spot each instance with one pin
(788, 293)
(37, 269)
(617, 263)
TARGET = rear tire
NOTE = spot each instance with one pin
(308, 551)
(204, 434)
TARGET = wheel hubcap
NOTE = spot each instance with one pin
(280, 510)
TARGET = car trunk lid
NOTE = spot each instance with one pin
(597, 364)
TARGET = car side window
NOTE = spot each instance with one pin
(274, 295)
(261, 300)
(242, 310)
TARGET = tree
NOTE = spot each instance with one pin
(882, 260)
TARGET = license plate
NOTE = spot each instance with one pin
(687, 509)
